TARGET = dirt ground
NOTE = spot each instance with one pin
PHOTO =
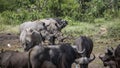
(10, 41)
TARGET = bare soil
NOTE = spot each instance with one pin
(9, 41)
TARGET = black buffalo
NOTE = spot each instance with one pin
(48, 64)
(13, 59)
(61, 23)
(84, 44)
(108, 58)
(62, 56)
(111, 58)
(117, 56)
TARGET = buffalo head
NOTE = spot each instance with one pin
(83, 61)
(84, 48)
(64, 23)
(108, 58)
(61, 23)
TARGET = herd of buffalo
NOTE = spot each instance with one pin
(37, 54)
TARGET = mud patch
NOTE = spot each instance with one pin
(11, 39)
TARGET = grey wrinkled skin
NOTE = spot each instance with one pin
(54, 24)
(29, 38)
(48, 27)
(50, 24)
(54, 27)
(36, 25)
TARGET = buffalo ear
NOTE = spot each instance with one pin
(66, 22)
(109, 51)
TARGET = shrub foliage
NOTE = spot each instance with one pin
(18, 11)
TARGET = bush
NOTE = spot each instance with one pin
(14, 18)
(18, 11)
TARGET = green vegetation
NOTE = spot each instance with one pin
(85, 17)
(100, 27)
(14, 12)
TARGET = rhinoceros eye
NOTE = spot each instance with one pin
(27, 42)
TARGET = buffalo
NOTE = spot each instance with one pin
(108, 58)
(29, 38)
(84, 44)
(111, 58)
(16, 59)
(48, 64)
(61, 56)
(117, 56)
(13, 59)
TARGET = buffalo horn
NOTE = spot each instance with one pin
(52, 46)
(100, 56)
(92, 58)
(57, 46)
(109, 49)
(81, 52)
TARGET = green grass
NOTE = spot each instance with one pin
(91, 29)
(81, 29)
(9, 29)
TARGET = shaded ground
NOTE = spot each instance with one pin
(99, 46)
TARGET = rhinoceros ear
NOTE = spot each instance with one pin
(29, 30)
(43, 23)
